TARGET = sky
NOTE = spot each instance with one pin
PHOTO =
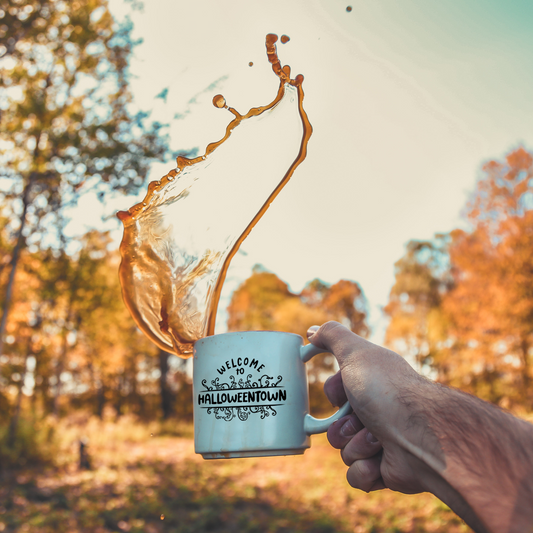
(407, 101)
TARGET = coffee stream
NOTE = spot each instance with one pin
(179, 241)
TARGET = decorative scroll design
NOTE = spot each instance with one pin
(229, 413)
(264, 382)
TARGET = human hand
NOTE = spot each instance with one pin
(412, 435)
(379, 385)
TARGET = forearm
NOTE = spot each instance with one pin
(480, 458)
(470, 454)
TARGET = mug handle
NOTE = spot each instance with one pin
(314, 425)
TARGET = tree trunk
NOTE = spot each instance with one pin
(119, 395)
(14, 422)
(59, 370)
(55, 400)
(166, 398)
(100, 400)
(133, 399)
(524, 348)
(14, 262)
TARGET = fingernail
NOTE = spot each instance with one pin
(370, 438)
(347, 430)
(312, 330)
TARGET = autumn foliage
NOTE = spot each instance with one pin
(462, 304)
(73, 361)
(67, 127)
(264, 302)
(461, 308)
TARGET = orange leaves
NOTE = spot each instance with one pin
(502, 190)
(476, 331)
(255, 302)
(264, 302)
(517, 161)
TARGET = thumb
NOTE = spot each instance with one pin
(335, 338)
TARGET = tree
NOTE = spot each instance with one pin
(264, 302)
(165, 391)
(105, 344)
(343, 301)
(66, 124)
(417, 325)
(463, 303)
(254, 304)
(492, 300)
(72, 336)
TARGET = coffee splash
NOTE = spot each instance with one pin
(179, 241)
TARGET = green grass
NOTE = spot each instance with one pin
(35, 444)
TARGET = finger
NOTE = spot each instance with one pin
(365, 474)
(378, 485)
(334, 390)
(362, 445)
(337, 339)
(340, 433)
(311, 331)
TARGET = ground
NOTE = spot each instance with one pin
(147, 478)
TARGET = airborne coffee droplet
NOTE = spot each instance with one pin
(179, 241)
(285, 39)
(348, 8)
(219, 101)
(251, 64)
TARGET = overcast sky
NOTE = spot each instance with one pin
(407, 100)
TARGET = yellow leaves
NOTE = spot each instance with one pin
(264, 302)
(253, 304)
(437, 326)
(294, 316)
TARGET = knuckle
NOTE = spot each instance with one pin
(357, 448)
(365, 467)
(328, 327)
(352, 478)
(334, 437)
(362, 474)
(346, 460)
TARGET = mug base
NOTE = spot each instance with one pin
(253, 453)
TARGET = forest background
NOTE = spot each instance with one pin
(73, 363)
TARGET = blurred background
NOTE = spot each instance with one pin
(410, 221)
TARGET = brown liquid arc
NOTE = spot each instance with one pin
(129, 217)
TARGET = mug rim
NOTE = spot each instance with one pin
(252, 332)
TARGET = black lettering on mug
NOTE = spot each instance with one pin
(227, 400)
(239, 365)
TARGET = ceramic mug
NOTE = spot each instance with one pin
(251, 396)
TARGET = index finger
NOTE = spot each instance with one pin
(334, 390)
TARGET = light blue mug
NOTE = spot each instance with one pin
(251, 396)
